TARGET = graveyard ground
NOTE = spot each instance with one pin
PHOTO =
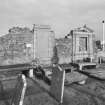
(92, 93)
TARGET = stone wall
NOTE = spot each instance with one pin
(64, 47)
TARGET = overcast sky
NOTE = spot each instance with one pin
(62, 15)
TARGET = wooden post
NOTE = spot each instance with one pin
(57, 83)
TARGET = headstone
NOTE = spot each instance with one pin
(31, 74)
(19, 94)
(57, 83)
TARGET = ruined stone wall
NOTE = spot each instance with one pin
(64, 47)
(13, 46)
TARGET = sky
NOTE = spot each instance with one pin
(61, 15)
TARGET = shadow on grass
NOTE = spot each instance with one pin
(2, 94)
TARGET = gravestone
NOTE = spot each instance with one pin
(19, 93)
(57, 83)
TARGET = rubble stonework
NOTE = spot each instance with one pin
(14, 45)
(64, 47)
(19, 30)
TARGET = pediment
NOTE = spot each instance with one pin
(85, 29)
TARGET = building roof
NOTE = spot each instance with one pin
(84, 29)
(81, 29)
